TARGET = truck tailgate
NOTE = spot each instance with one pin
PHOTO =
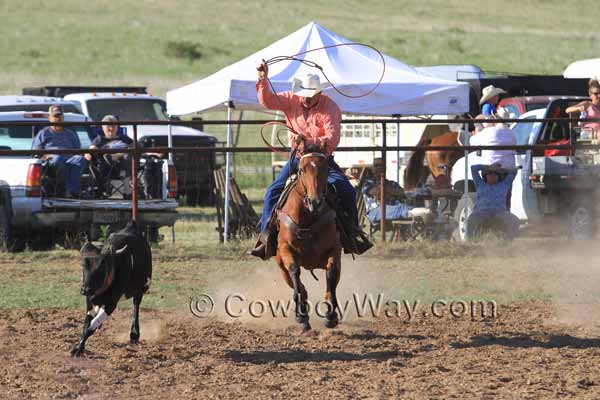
(143, 205)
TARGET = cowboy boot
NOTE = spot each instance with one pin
(353, 239)
(361, 241)
(265, 246)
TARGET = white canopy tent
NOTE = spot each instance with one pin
(353, 69)
(583, 69)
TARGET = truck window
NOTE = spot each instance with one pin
(127, 109)
(68, 108)
(16, 137)
(21, 137)
(522, 131)
(535, 106)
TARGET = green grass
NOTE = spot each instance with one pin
(527, 269)
(168, 44)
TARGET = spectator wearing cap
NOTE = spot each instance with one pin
(490, 96)
(110, 138)
(54, 137)
(490, 205)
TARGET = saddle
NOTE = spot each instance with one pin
(304, 235)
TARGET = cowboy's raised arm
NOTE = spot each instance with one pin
(266, 97)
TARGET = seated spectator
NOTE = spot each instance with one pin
(68, 168)
(490, 202)
(590, 108)
(110, 139)
(109, 164)
(395, 209)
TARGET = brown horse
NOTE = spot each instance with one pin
(308, 236)
(440, 162)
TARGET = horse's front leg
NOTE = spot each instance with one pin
(333, 277)
(300, 296)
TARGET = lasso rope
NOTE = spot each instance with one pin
(313, 64)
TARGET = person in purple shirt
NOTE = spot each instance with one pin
(490, 202)
(68, 168)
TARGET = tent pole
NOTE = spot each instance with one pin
(398, 151)
(229, 105)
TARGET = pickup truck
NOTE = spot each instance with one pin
(551, 189)
(29, 216)
(194, 170)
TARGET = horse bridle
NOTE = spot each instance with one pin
(305, 197)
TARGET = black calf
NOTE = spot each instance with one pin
(122, 266)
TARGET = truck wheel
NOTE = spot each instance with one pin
(460, 215)
(6, 239)
(9, 242)
(191, 198)
(580, 221)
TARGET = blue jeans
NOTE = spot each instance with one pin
(508, 223)
(69, 170)
(345, 191)
(392, 213)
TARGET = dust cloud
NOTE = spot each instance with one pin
(563, 273)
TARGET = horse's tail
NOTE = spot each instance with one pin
(415, 167)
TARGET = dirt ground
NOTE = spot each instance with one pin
(523, 353)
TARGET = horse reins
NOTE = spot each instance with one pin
(313, 154)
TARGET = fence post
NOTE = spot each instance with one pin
(170, 144)
(466, 188)
(382, 179)
(134, 164)
(229, 105)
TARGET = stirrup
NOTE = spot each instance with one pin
(266, 245)
(361, 242)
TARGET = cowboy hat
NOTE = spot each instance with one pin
(488, 92)
(309, 86)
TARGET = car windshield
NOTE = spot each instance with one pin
(21, 137)
(523, 130)
(535, 106)
(127, 109)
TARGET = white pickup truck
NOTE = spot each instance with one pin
(194, 170)
(29, 217)
(549, 191)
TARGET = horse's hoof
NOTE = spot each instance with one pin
(134, 339)
(306, 327)
(331, 323)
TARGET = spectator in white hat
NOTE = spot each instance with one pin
(490, 96)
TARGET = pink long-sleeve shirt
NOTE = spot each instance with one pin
(321, 124)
